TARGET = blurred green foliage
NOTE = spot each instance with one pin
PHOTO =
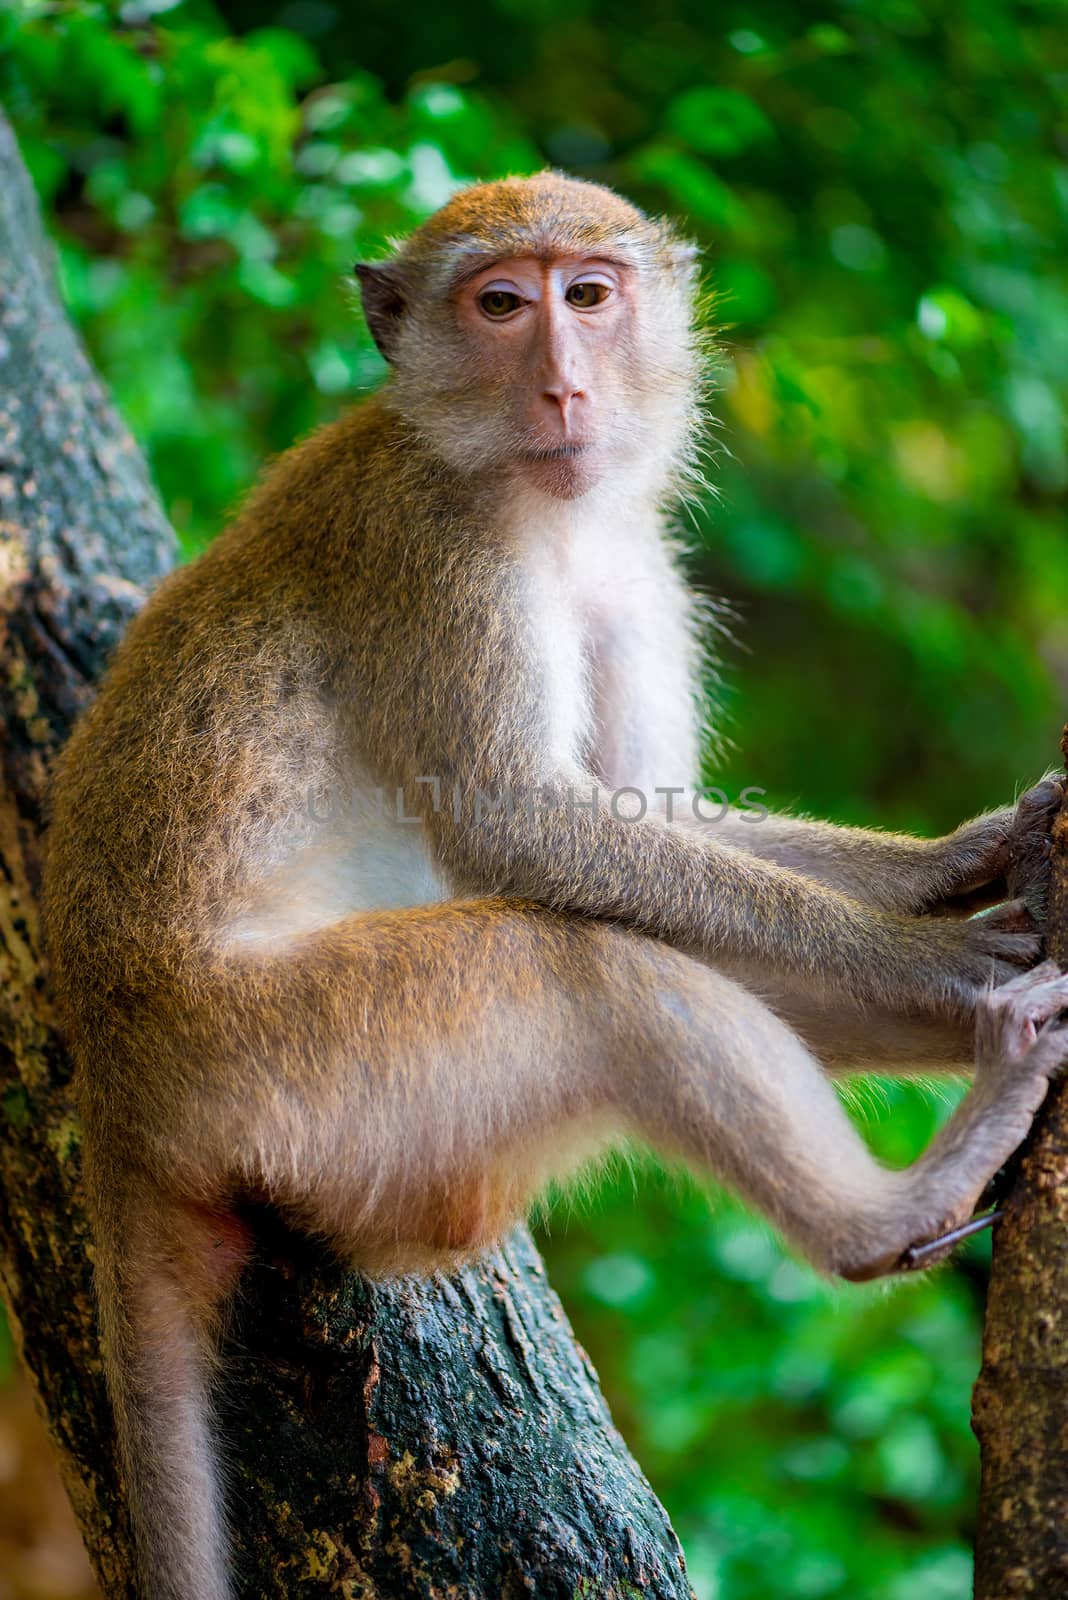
(881, 192)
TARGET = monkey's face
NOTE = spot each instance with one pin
(551, 345)
(540, 329)
(554, 369)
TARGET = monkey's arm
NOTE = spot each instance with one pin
(491, 725)
(898, 871)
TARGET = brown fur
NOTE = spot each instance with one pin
(396, 1033)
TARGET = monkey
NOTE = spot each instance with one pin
(515, 938)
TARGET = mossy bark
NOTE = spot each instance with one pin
(443, 1437)
(1021, 1400)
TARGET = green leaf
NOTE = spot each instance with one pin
(717, 122)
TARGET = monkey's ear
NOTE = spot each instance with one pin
(383, 302)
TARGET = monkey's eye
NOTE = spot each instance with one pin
(499, 302)
(587, 295)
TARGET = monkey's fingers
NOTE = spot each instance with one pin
(1025, 983)
(1031, 998)
(1037, 808)
(1024, 1018)
(1029, 841)
(1010, 916)
(1009, 933)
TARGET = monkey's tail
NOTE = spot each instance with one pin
(161, 1280)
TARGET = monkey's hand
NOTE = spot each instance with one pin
(979, 951)
(1004, 853)
(1021, 1041)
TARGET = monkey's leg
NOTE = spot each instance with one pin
(448, 1059)
(403, 1083)
(733, 1089)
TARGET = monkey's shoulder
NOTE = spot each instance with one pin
(346, 488)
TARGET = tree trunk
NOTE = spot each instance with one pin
(1021, 1400)
(425, 1438)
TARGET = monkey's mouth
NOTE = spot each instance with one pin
(556, 452)
(563, 470)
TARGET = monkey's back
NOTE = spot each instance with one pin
(215, 722)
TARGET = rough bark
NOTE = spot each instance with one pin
(428, 1438)
(1021, 1400)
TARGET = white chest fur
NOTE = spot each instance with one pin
(615, 648)
(561, 656)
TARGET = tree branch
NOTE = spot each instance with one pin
(1020, 1413)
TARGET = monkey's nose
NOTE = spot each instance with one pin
(562, 395)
